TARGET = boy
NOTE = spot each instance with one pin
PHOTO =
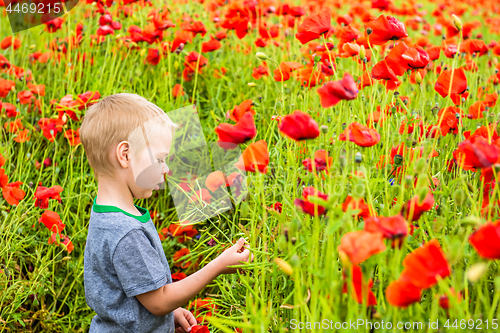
(126, 274)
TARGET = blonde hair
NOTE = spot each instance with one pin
(116, 118)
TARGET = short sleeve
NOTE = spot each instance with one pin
(138, 264)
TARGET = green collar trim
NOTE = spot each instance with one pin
(145, 217)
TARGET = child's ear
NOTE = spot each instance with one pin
(122, 153)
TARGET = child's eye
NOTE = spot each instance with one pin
(159, 160)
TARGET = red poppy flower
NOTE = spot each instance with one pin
(43, 194)
(486, 240)
(65, 241)
(424, 264)
(153, 57)
(471, 155)
(321, 161)
(402, 293)
(179, 255)
(413, 209)
(361, 288)
(363, 210)
(254, 158)
(384, 29)
(199, 329)
(360, 135)
(347, 34)
(443, 299)
(210, 46)
(361, 245)
(196, 28)
(6, 87)
(444, 81)
(314, 26)
(177, 91)
(4, 179)
(25, 97)
(474, 46)
(12, 193)
(239, 110)
(476, 110)
(308, 207)
(434, 52)
(52, 221)
(490, 100)
(299, 126)
(36, 89)
(449, 118)
(177, 276)
(201, 195)
(10, 41)
(231, 135)
(260, 71)
(184, 233)
(282, 73)
(335, 91)
(214, 180)
(391, 227)
(72, 136)
(105, 30)
(382, 71)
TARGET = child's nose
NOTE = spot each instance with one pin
(165, 169)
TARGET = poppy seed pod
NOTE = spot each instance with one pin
(398, 159)
(358, 157)
(457, 22)
(369, 31)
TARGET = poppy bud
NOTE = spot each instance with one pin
(261, 55)
(422, 193)
(459, 197)
(457, 22)
(30, 184)
(324, 128)
(179, 48)
(369, 31)
(317, 58)
(362, 52)
(421, 166)
(358, 157)
(408, 180)
(398, 159)
(476, 271)
(342, 161)
(418, 78)
(285, 267)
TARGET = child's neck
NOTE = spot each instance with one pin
(112, 193)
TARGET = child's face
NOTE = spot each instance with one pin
(149, 166)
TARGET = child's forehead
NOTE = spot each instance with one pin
(161, 140)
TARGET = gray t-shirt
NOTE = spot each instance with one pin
(124, 258)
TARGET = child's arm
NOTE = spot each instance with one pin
(173, 295)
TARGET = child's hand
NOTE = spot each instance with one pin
(233, 256)
(184, 320)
